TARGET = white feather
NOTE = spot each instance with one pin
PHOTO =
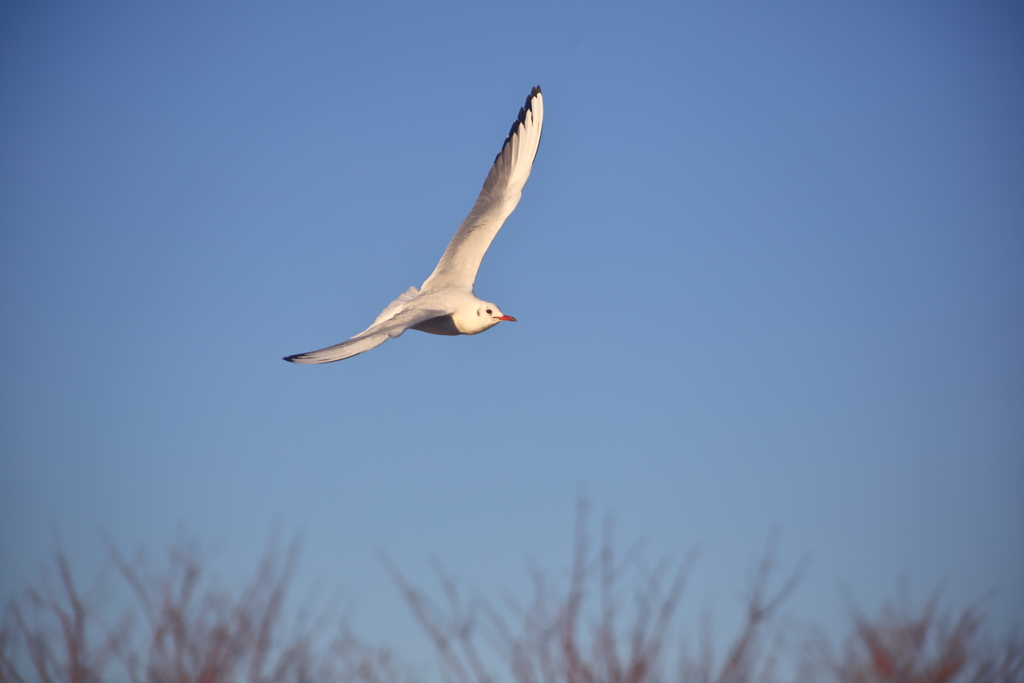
(498, 198)
(375, 335)
(448, 292)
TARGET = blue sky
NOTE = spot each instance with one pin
(767, 271)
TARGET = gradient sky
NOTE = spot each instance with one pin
(767, 270)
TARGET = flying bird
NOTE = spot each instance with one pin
(445, 303)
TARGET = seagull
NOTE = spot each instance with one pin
(445, 303)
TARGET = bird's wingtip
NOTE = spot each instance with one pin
(521, 119)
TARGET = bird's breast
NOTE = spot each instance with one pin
(443, 324)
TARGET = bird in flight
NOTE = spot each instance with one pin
(445, 303)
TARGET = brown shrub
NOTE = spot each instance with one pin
(190, 631)
(926, 645)
(610, 624)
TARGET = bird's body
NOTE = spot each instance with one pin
(446, 304)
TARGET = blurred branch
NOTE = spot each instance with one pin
(194, 634)
(609, 623)
(928, 645)
(551, 643)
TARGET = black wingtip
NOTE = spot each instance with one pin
(289, 358)
(521, 119)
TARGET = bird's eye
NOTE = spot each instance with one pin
(488, 311)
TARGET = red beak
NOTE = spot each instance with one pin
(506, 317)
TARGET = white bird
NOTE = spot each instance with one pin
(446, 304)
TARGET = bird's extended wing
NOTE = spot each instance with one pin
(499, 196)
(374, 336)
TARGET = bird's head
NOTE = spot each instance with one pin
(487, 310)
(482, 317)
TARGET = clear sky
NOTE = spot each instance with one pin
(768, 271)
